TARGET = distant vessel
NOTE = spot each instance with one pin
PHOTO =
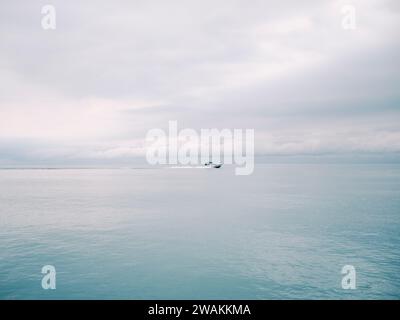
(217, 166)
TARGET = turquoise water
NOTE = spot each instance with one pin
(284, 232)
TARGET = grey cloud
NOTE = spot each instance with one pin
(113, 70)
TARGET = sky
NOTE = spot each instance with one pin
(88, 91)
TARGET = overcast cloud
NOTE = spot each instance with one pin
(112, 70)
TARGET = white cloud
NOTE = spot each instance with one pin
(110, 72)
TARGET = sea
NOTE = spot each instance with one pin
(287, 231)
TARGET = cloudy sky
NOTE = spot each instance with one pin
(112, 70)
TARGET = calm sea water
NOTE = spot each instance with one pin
(284, 232)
